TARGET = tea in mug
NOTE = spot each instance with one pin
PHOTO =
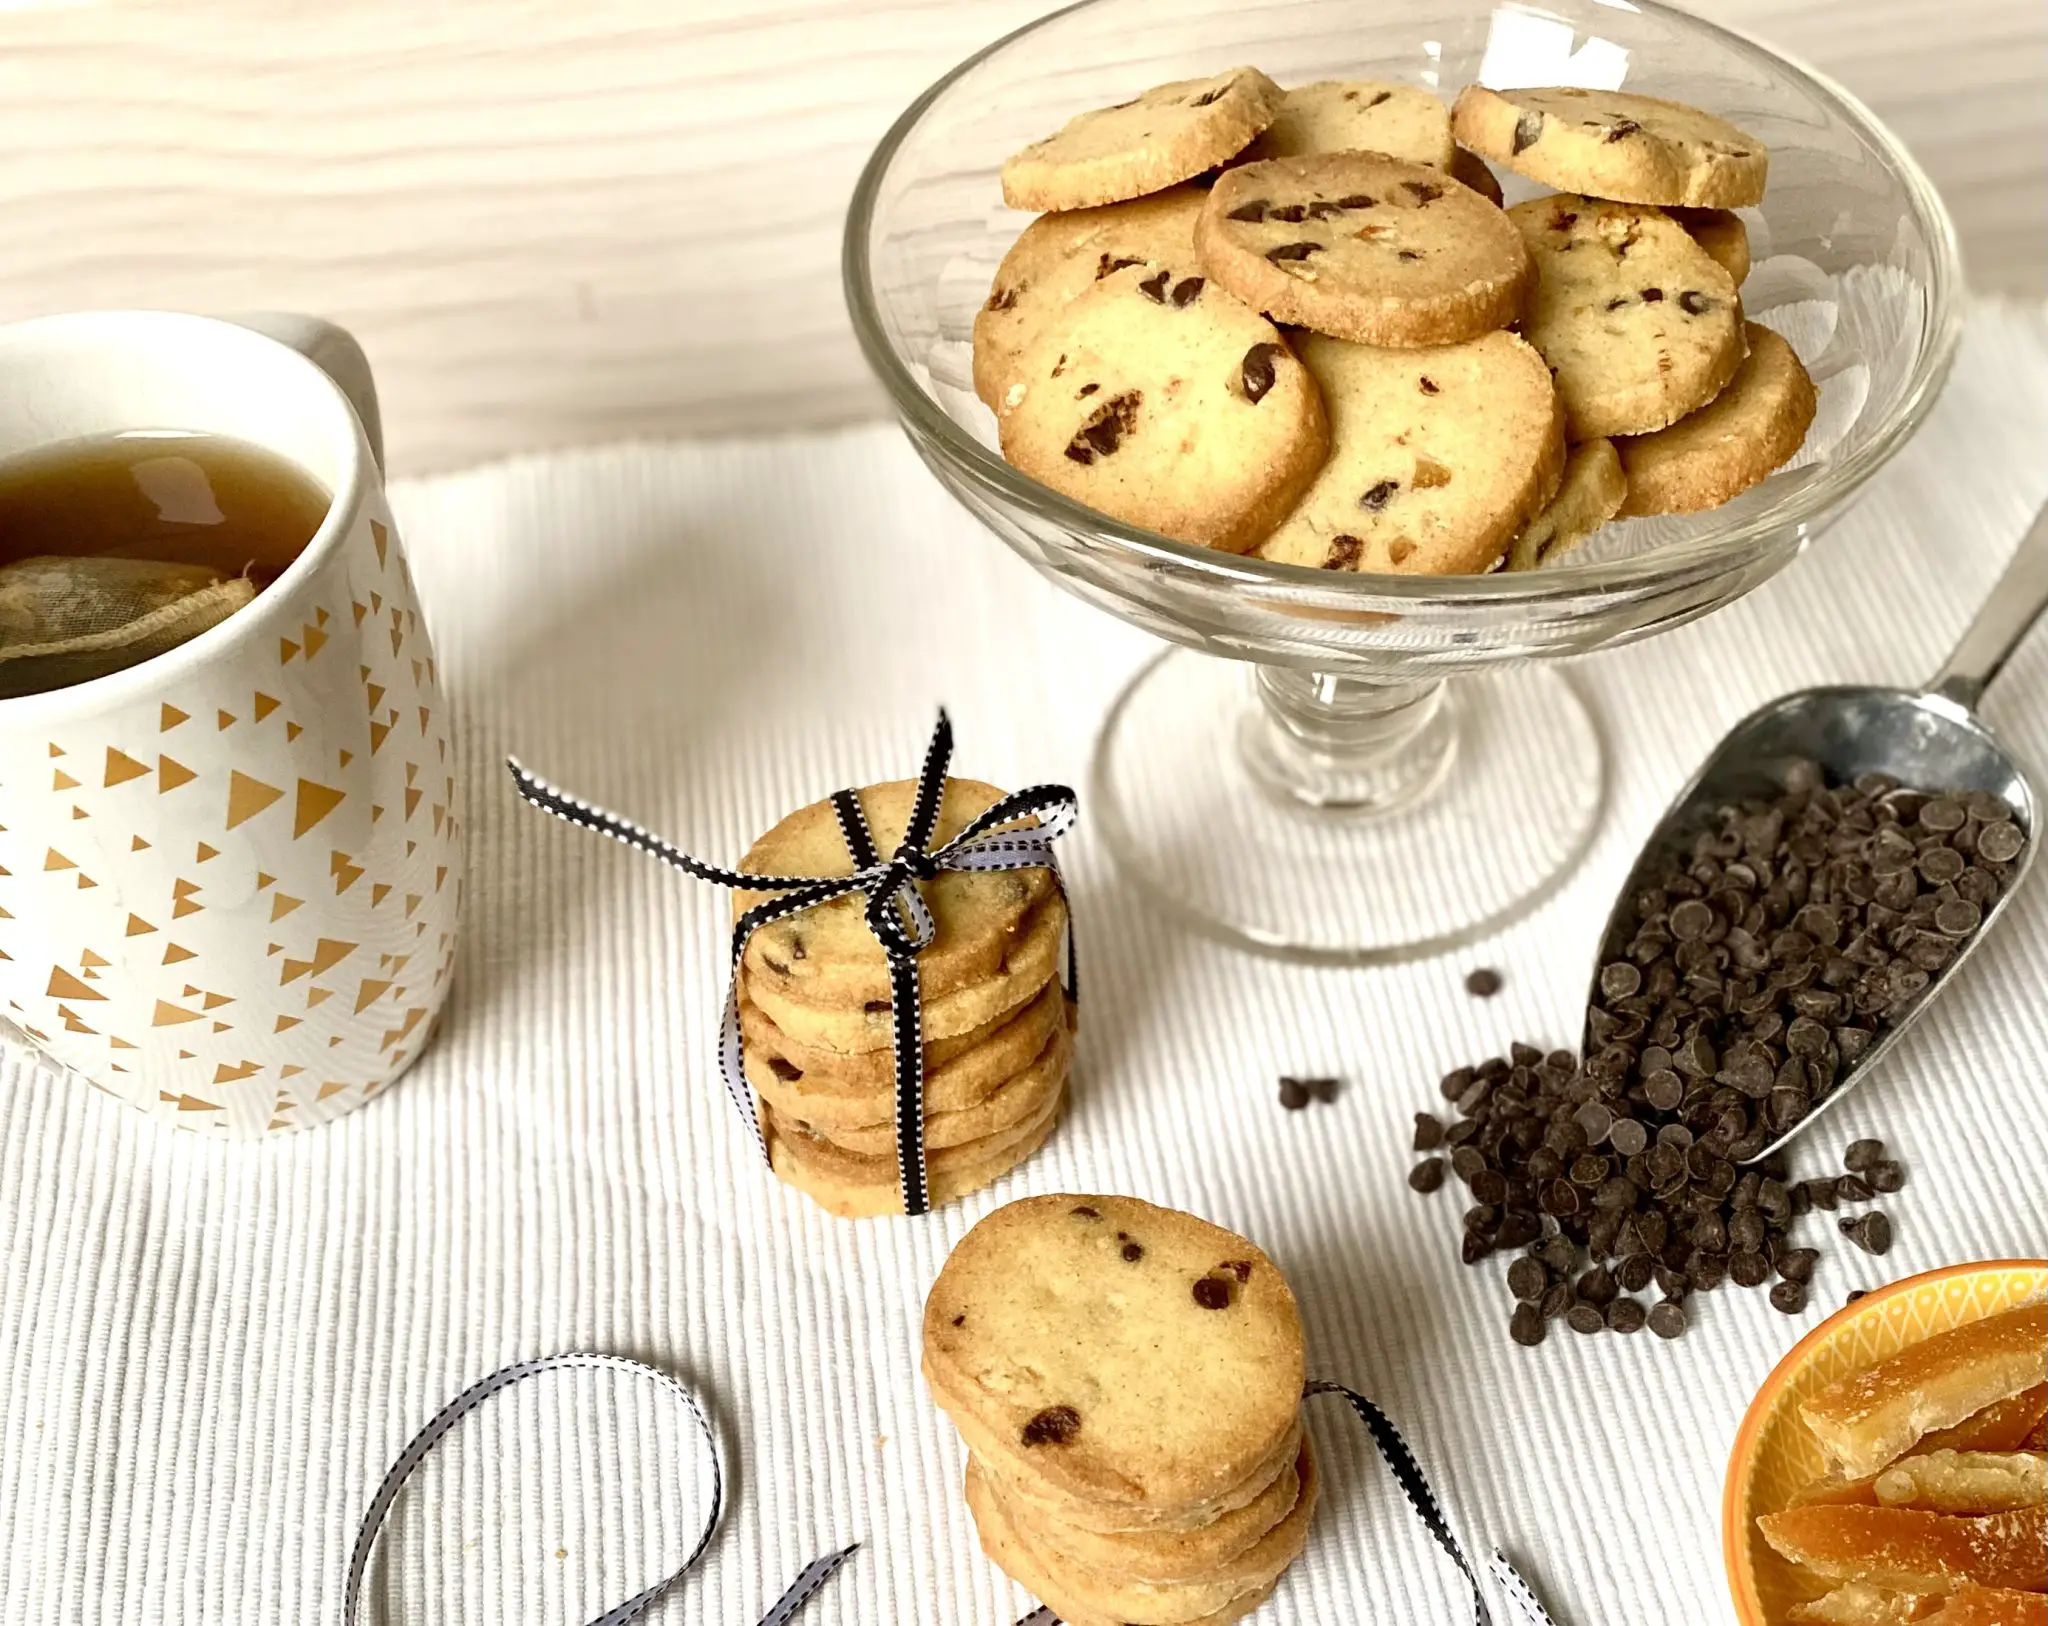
(117, 548)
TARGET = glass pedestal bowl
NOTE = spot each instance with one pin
(1356, 768)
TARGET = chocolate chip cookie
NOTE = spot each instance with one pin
(1359, 115)
(1160, 399)
(1064, 254)
(1167, 135)
(1613, 144)
(1590, 494)
(1364, 248)
(1437, 457)
(1638, 324)
(1720, 451)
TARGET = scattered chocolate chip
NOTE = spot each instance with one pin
(1054, 1426)
(1528, 1278)
(1886, 1176)
(1853, 1188)
(1527, 1326)
(1861, 1154)
(1584, 1317)
(1483, 983)
(1293, 1094)
(1429, 1131)
(1428, 1175)
(1789, 1296)
(1324, 1089)
(1212, 1293)
(1257, 371)
(1856, 1293)
(1626, 1315)
(1872, 1232)
(1528, 131)
(1667, 1318)
(1796, 1264)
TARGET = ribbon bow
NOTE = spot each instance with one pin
(896, 911)
(421, 1446)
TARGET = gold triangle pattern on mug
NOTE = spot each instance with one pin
(244, 886)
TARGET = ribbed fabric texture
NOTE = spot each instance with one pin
(209, 1352)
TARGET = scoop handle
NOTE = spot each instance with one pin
(2015, 604)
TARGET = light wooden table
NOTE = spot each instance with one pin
(554, 224)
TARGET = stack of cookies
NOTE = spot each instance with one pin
(1129, 1382)
(1300, 324)
(816, 1019)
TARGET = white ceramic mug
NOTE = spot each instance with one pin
(230, 876)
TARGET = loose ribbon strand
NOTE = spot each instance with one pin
(1408, 1474)
(422, 1446)
(896, 911)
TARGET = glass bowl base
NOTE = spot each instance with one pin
(1504, 795)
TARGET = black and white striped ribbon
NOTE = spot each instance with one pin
(896, 911)
(1414, 1484)
(787, 1607)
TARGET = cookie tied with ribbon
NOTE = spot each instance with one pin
(898, 1032)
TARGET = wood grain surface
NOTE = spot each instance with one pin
(553, 224)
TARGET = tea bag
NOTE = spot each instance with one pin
(66, 619)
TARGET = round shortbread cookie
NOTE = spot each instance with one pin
(1638, 324)
(1158, 398)
(1590, 494)
(827, 956)
(869, 1199)
(1437, 457)
(1722, 234)
(1364, 248)
(1010, 1103)
(1061, 255)
(829, 1086)
(1023, 1489)
(1469, 169)
(1157, 1555)
(1144, 145)
(1726, 447)
(1359, 115)
(1137, 1358)
(1027, 966)
(1611, 144)
(1079, 1594)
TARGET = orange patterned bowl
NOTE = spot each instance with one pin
(1774, 1454)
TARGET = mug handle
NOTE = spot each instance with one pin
(335, 352)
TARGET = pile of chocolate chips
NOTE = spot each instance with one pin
(1760, 965)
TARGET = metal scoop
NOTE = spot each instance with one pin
(1929, 739)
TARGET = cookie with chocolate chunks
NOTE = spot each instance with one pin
(1614, 144)
(1590, 494)
(1722, 234)
(1751, 428)
(1637, 322)
(1127, 1362)
(829, 955)
(1364, 248)
(1359, 115)
(1065, 254)
(1437, 457)
(1162, 400)
(1167, 135)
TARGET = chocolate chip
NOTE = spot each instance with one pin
(1054, 1426)
(1408, 254)
(1099, 437)
(1083, 1211)
(1324, 1089)
(1292, 251)
(1292, 213)
(1186, 292)
(1428, 1175)
(1789, 1296)
(784, 1070)
(1527, 1326)
(1528, 130)
(875, 1007)
(1622, 129)
(1528, 1278)
(1667, 1318)
(1872, 1232)
(1853, 1188)
(1426, 384)
(1293, 1094)
(1885, 1176)
(1002, 299)
(1376, 499)
(1358, 200)
(1651, 296)
(1257, 371)
(1584, 1318)
(1748, 1268)
(1209, 96)
(1212, 1293)
(1626, 1315)
(1422, 191)
(1255, 209)
(1133, 1252)
(1483, 983)
(1796, 1264)
(1345, 552)
(960, 1320)
(1154, 287)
